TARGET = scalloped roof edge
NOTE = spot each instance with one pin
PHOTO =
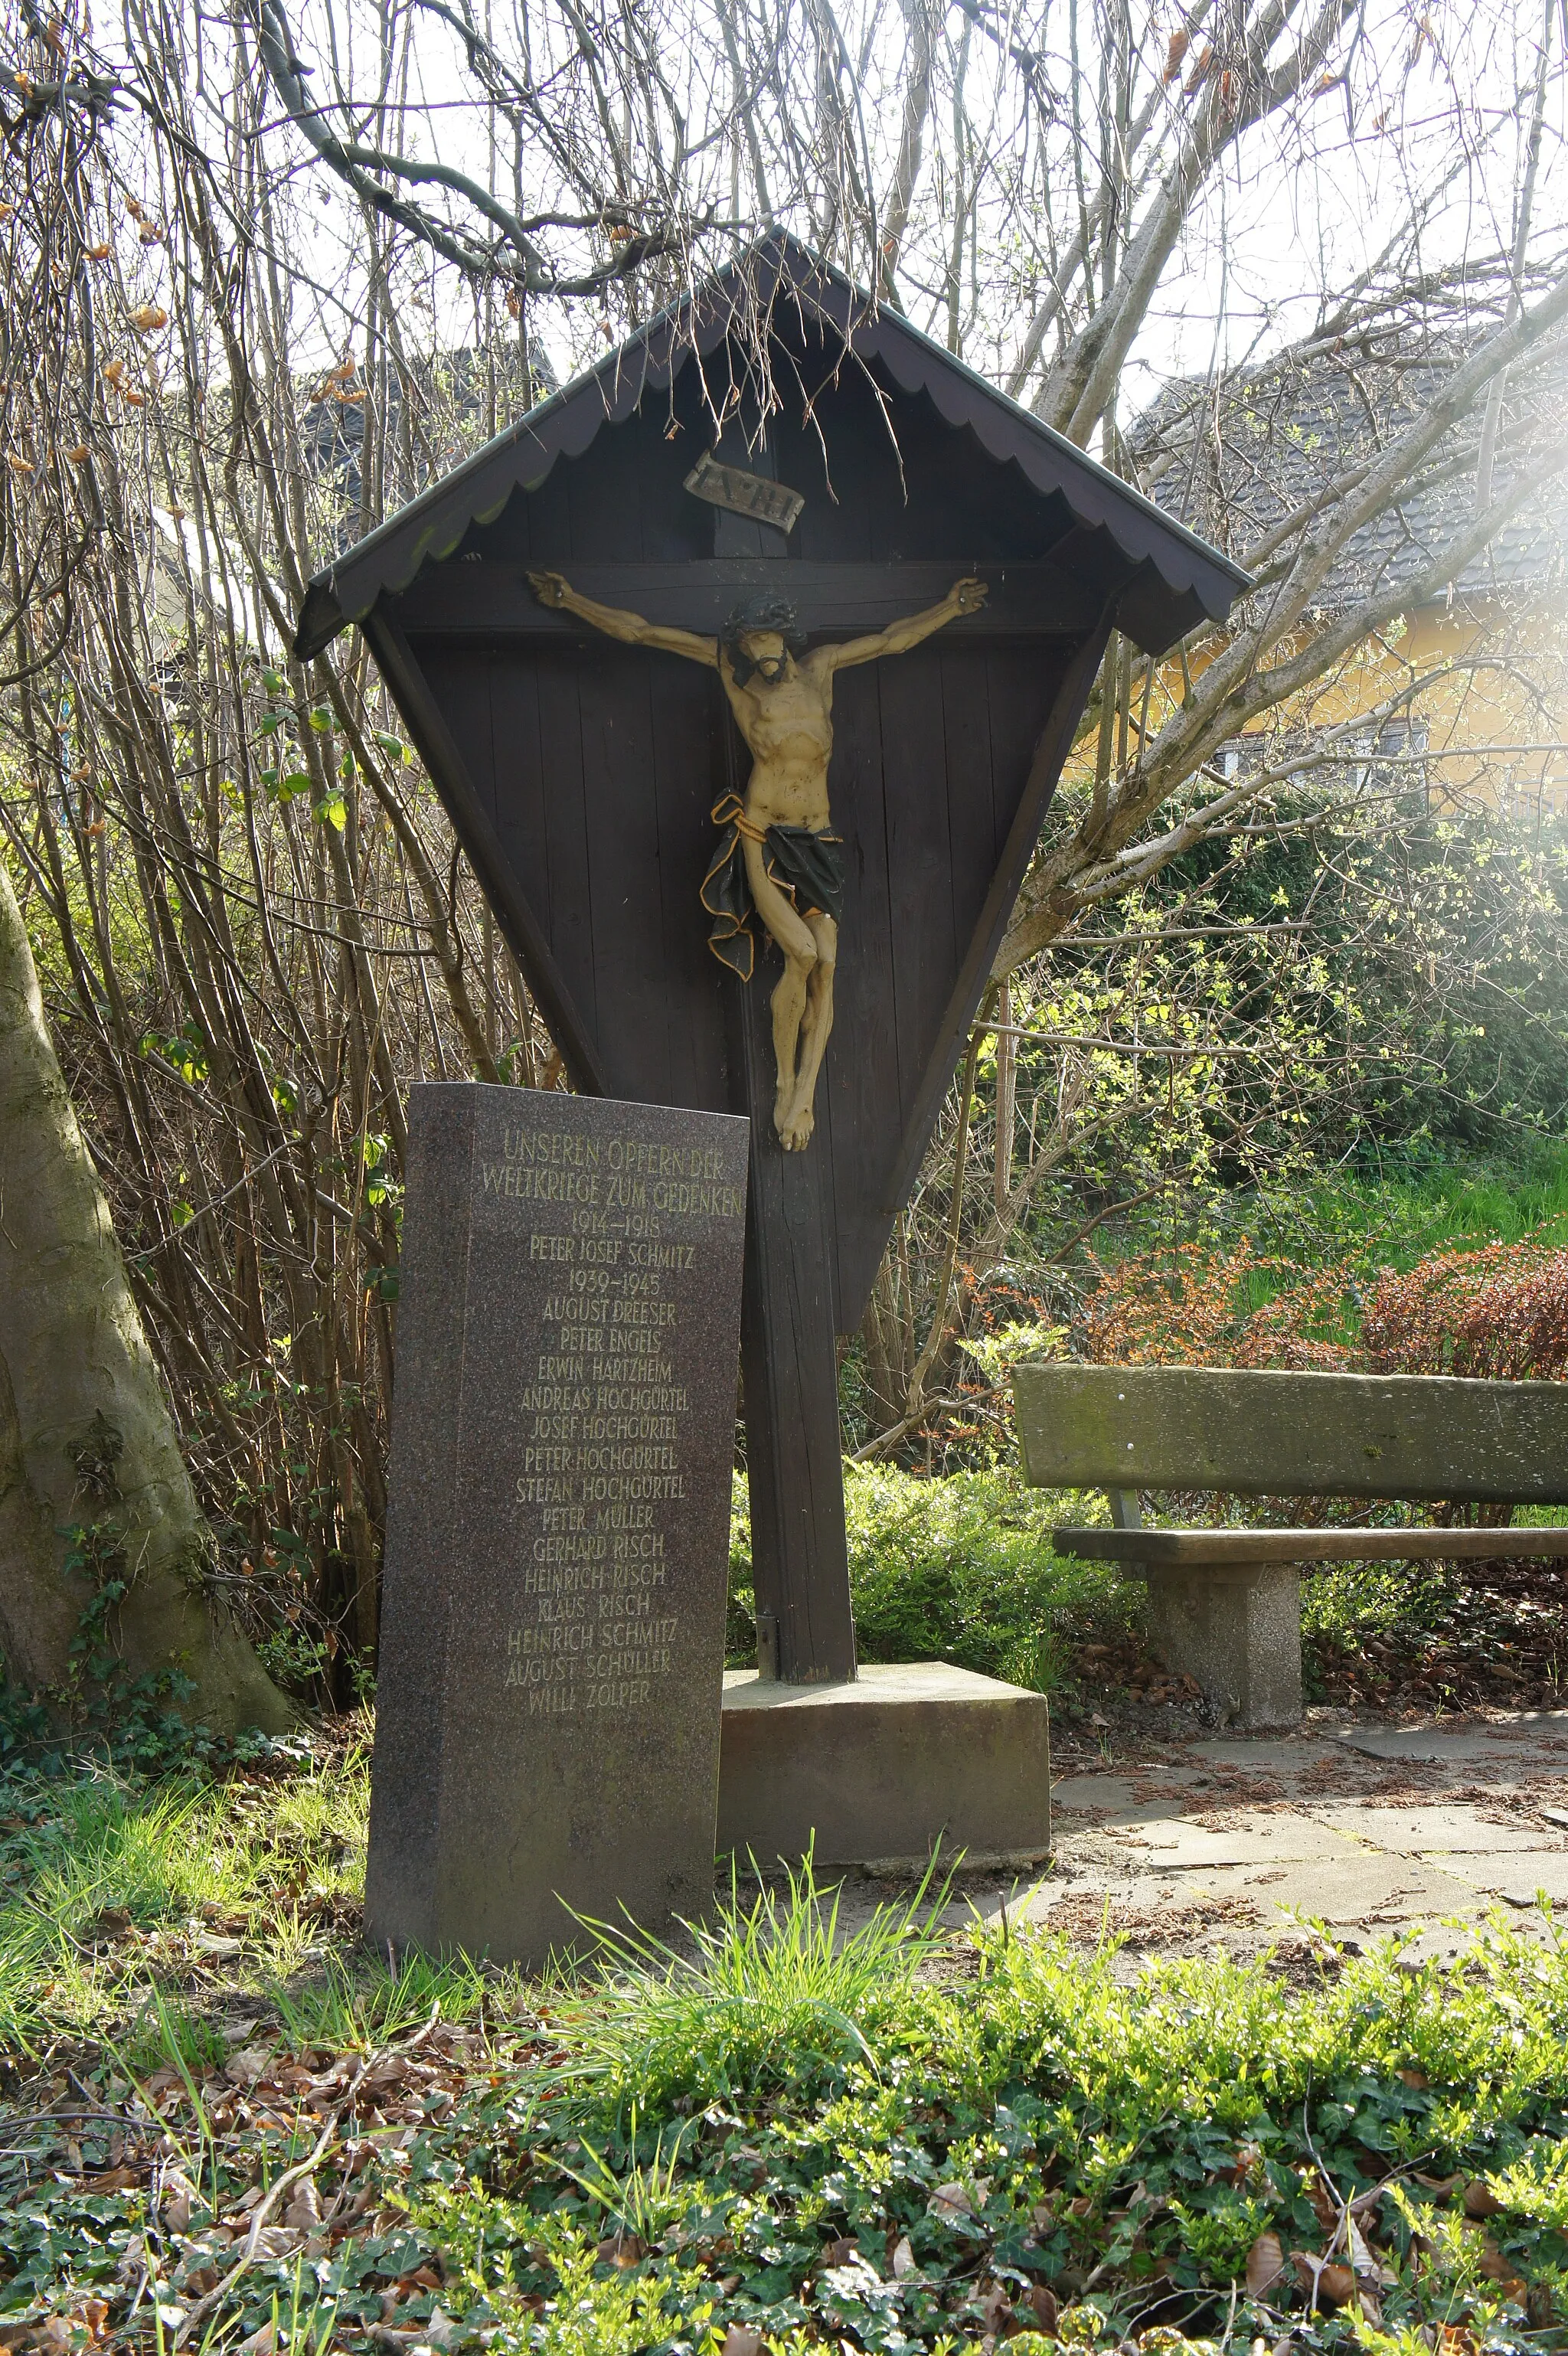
(433, 525)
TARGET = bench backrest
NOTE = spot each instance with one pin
(1289, 1435)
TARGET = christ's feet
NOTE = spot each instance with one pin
(794, 1126)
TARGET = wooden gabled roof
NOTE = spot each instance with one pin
(1182, 580)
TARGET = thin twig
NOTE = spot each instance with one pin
(269, 2202)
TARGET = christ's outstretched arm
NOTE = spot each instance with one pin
(965, 596)
(554, 589)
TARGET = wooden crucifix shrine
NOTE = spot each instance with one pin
(581, 771)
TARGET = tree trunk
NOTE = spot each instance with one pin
(87, 1442)
(887, 1332)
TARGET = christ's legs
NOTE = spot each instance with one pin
(816, 1023)
(794, 937)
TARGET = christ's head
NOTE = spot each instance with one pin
(762, 636)
(763, 653)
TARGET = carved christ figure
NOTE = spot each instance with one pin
(778, 858)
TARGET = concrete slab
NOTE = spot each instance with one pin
(1117, 1837)
(1365, 1890)
(1442, 1743)
(1150, 1910)
(1036, 1904)
(882, 1771)
(1188, 1850)
(1440, 1943)
(1288, 1434)
(1518, 1878)
(1115, 1799)
(1454, 1829)
(1260, 1754)
(1261, 1836)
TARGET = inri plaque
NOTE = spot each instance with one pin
(547, 1725)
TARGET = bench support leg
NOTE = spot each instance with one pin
(1234, 1628)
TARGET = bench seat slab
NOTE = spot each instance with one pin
(1158, 1549)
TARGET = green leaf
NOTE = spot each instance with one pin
(295, 783)
(321, 719)
(334, 810)
(393, 745)
(272, 683)
(271, 723)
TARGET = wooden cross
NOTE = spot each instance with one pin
(789, 1343)
(479, 598)
(579, 785)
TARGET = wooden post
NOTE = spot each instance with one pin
(789, 1362)
(800, 1564)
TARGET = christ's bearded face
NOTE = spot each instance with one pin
(768, 656)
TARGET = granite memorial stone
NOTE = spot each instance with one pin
(548, 1718)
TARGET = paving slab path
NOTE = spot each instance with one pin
(1245, 1842)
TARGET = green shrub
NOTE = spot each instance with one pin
(957, 1569)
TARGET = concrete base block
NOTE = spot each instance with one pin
(1234, 1628)
(883, 1769)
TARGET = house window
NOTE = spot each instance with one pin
(1402, 769)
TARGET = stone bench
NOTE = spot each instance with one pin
(1225, 1604)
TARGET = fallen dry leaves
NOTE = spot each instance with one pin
(1265, 2264)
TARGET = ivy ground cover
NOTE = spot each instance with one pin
(225, 2126)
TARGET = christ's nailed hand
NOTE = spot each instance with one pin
(549, 588)
(968, 595)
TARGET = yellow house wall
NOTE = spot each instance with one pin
(1492, 691)
(1493, 694)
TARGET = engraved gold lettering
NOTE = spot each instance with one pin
(549, 1145)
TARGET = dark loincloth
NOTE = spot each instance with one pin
(808, 866)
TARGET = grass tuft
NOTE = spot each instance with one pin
(771, 1994)
(116, 1884)
(358, 2004)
